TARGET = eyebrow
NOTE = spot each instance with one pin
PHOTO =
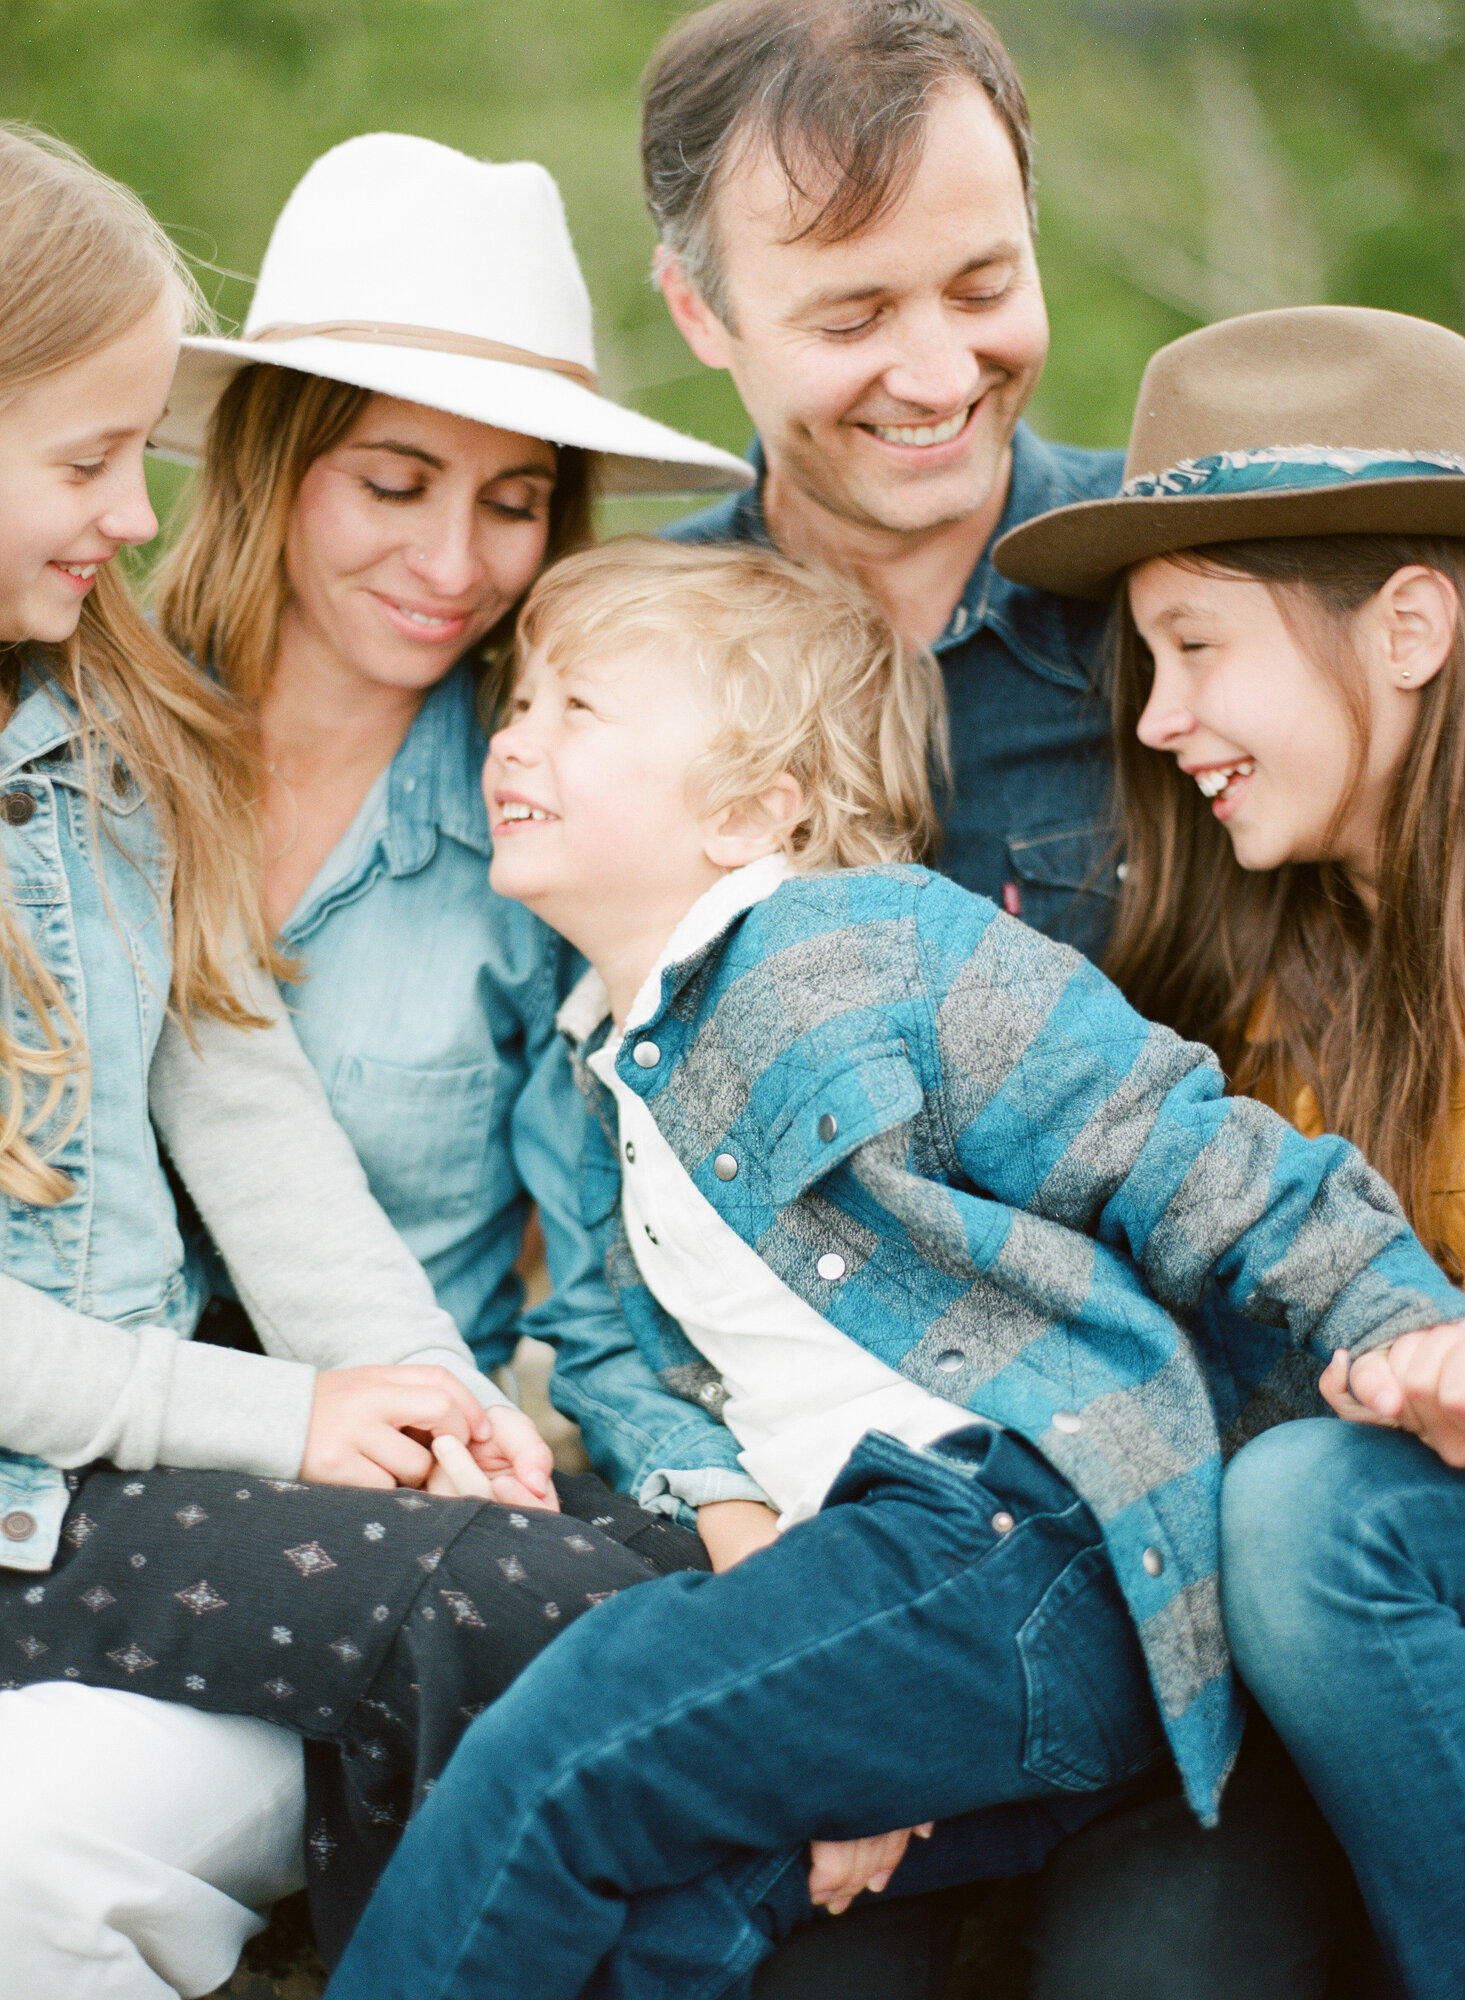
(1000, 253)
(95, 440)
(415, 451)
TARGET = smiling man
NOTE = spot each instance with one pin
(844, 190)
(845, 196)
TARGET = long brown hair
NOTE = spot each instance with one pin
(83, 263)
(1285, 973)
(222, 589)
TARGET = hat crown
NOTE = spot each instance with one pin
(1343, 376)
(399, 230)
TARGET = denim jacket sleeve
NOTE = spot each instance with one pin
(1066, 1104)
(669, 1453)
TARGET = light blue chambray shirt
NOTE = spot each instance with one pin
(428, 1011)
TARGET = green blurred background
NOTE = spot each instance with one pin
(1197, 157)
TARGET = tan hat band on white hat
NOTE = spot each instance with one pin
(377, 333)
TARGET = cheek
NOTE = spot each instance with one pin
(332, 535)
(515, 557)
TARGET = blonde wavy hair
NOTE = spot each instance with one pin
(805, 673)
(222, 588)
(82, 262)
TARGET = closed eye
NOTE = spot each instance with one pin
(390, 493)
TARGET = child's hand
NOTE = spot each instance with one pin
(512, 1465)
(1416, 1383)
(839, 1870)
(732, 1529)
(360, 1418)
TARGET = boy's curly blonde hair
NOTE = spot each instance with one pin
(805, 673)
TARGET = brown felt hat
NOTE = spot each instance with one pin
(1317, 420)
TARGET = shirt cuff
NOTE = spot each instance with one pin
(488, 1393)
(667, 1492)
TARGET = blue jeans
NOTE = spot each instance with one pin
(1343, 1559)
(944, 1641)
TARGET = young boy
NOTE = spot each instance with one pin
(913, 1199)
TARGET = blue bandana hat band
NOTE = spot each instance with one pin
(1287, 468)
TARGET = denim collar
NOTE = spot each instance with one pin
(43, 720)
(1032, 624)
(433, 788)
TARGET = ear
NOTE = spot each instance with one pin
(747, 831)
(1415, 617)
(695, 320)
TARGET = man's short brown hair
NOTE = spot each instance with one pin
(837, 88)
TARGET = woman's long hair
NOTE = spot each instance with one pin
(223, 588)
(82, 262)
(1286, 973)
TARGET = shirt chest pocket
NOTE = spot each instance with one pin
(1065, 882)
(423, 1135)
(828, 1116)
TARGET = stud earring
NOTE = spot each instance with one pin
(1406, 677)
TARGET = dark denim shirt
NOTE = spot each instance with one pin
(1027, 823)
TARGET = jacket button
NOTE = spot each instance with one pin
(18, 1526)
(828, 1127)
(830, 1266)
(1154, 1562)
(951, 1360)
(1067, 1422)
(1002, 1522)
(646, 1055)
(630, 1152)
(725, 1167)
(17, 808)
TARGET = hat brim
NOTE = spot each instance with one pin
(1083, 550)
(636, 454)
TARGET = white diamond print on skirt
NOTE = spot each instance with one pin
(77, 1531)
(279, 1688)
(430, 1559)
(132, 1659)
(310, 1559)
(346, 1651)
(97, 1598)
(190, 1516)
(464, 1610)
(201, 1597)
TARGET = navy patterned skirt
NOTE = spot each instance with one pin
(375, 1624)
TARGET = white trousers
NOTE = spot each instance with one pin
(137, 1842)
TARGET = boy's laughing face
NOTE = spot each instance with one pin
(587, 796)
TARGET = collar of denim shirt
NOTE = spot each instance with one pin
(44, 718)
(1036, 627)
(434, 787)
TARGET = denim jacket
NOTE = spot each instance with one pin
(956, 1141)
(94, 901)
(428, 1012)
(1028, 820)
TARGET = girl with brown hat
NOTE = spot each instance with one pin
(1289, 700)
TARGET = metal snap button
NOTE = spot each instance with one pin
(17, 808)
(1002, 1522)
(1154, 1562)
(630, 1152)
(1067, 1422)
(951, 1360)
(646, 1055)
(828, 1127)
(18, 1526)
(710, 1392)
(651, 1235)
(725, 1167)
(831, 1266)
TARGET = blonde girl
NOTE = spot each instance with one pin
(1290, 733)
(139, 1838)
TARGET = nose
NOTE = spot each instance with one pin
(1165, 720)
(445, 555)
(129, 518)
(512, 744)
(936, 369)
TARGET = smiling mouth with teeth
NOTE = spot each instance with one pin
(922, 434)
(84, 570)
(1217, 782)
(514, 811)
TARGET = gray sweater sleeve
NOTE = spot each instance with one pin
(320, 1270)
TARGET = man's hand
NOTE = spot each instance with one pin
(839, 1870)
(512, 1464)
(361, 1416)
(732, 1529)
(1416, 1383)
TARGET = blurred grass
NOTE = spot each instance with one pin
(1197, 157)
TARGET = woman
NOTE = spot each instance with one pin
(1289, 681)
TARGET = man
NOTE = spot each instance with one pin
(845, 196)
(844, 190)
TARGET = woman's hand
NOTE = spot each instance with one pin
(840, 1870)
(360, 1419)
(732, 1529)
(1416, 1383)
(512, 1464)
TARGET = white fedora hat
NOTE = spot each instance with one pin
(407, 268)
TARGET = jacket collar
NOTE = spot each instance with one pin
(715, 911)
(44, 719)
(434, 786)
